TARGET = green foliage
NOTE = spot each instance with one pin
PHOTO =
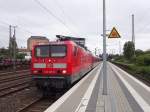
(140, 60)
(20, 56)
(129, 50)
(135, 69)
(136, 65)
(143, 60)
(147, 52)
(147, 59)
(4, 53)
(119, 58)
(138, 52)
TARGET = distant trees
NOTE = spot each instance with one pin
(4, 53)
(20, 55)
(129, 50)
(139, 52)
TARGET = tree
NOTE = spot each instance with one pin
(138, 52)
(20, 56)
(129, 50)
(4, 53)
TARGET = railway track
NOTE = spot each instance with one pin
(11, 69)
(7, 78)
(14, 101)
(18, 94)
(12, 72)
(15, 86)
(39, 104)
(11, 82)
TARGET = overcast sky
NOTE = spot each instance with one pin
(81, 18)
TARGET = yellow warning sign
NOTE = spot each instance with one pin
(114, 33)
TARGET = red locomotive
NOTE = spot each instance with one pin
(59, 64)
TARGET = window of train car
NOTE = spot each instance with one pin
(42, 51)
(58, 51)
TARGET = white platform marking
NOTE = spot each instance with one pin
(136, 80)
(143, 104)
(62, 99)
(85, 100)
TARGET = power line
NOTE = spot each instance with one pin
(65, 15)
(5, 23)
(19, 26)
(60, 7)
(50, 13)
(24, 29)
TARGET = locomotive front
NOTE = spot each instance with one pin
(50, 65)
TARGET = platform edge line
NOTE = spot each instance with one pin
(62, 99)
(142, 103)
(88, 92)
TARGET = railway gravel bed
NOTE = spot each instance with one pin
(13, 102)
(19, 94)
(41, 104)
(27, 100)
(17, 69)
(13, 77)
(12, 72)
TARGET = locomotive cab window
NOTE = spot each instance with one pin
(51, 51)
(58, 50)
(42, 51)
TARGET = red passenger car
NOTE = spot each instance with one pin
(59, 64)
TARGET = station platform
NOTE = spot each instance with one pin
(124, 93)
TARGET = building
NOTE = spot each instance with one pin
(35, 40)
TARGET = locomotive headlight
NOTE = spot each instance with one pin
(35, 71)
(64, 71)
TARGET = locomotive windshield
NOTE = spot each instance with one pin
(50, 51)
(58, 51)
(42, 51)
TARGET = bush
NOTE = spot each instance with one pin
(133, 60)
(140, 60)
(20, 56)
(143, 60)
(147, 59)
(138, 52)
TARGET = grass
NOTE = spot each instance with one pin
(134, 69)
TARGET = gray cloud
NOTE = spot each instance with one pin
(83, 17)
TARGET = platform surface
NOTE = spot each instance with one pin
(124, 93)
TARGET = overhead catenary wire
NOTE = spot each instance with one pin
(67, 18)
(19, 26)
(53, 15)
(4, 34)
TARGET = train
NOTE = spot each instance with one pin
(61, 63)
